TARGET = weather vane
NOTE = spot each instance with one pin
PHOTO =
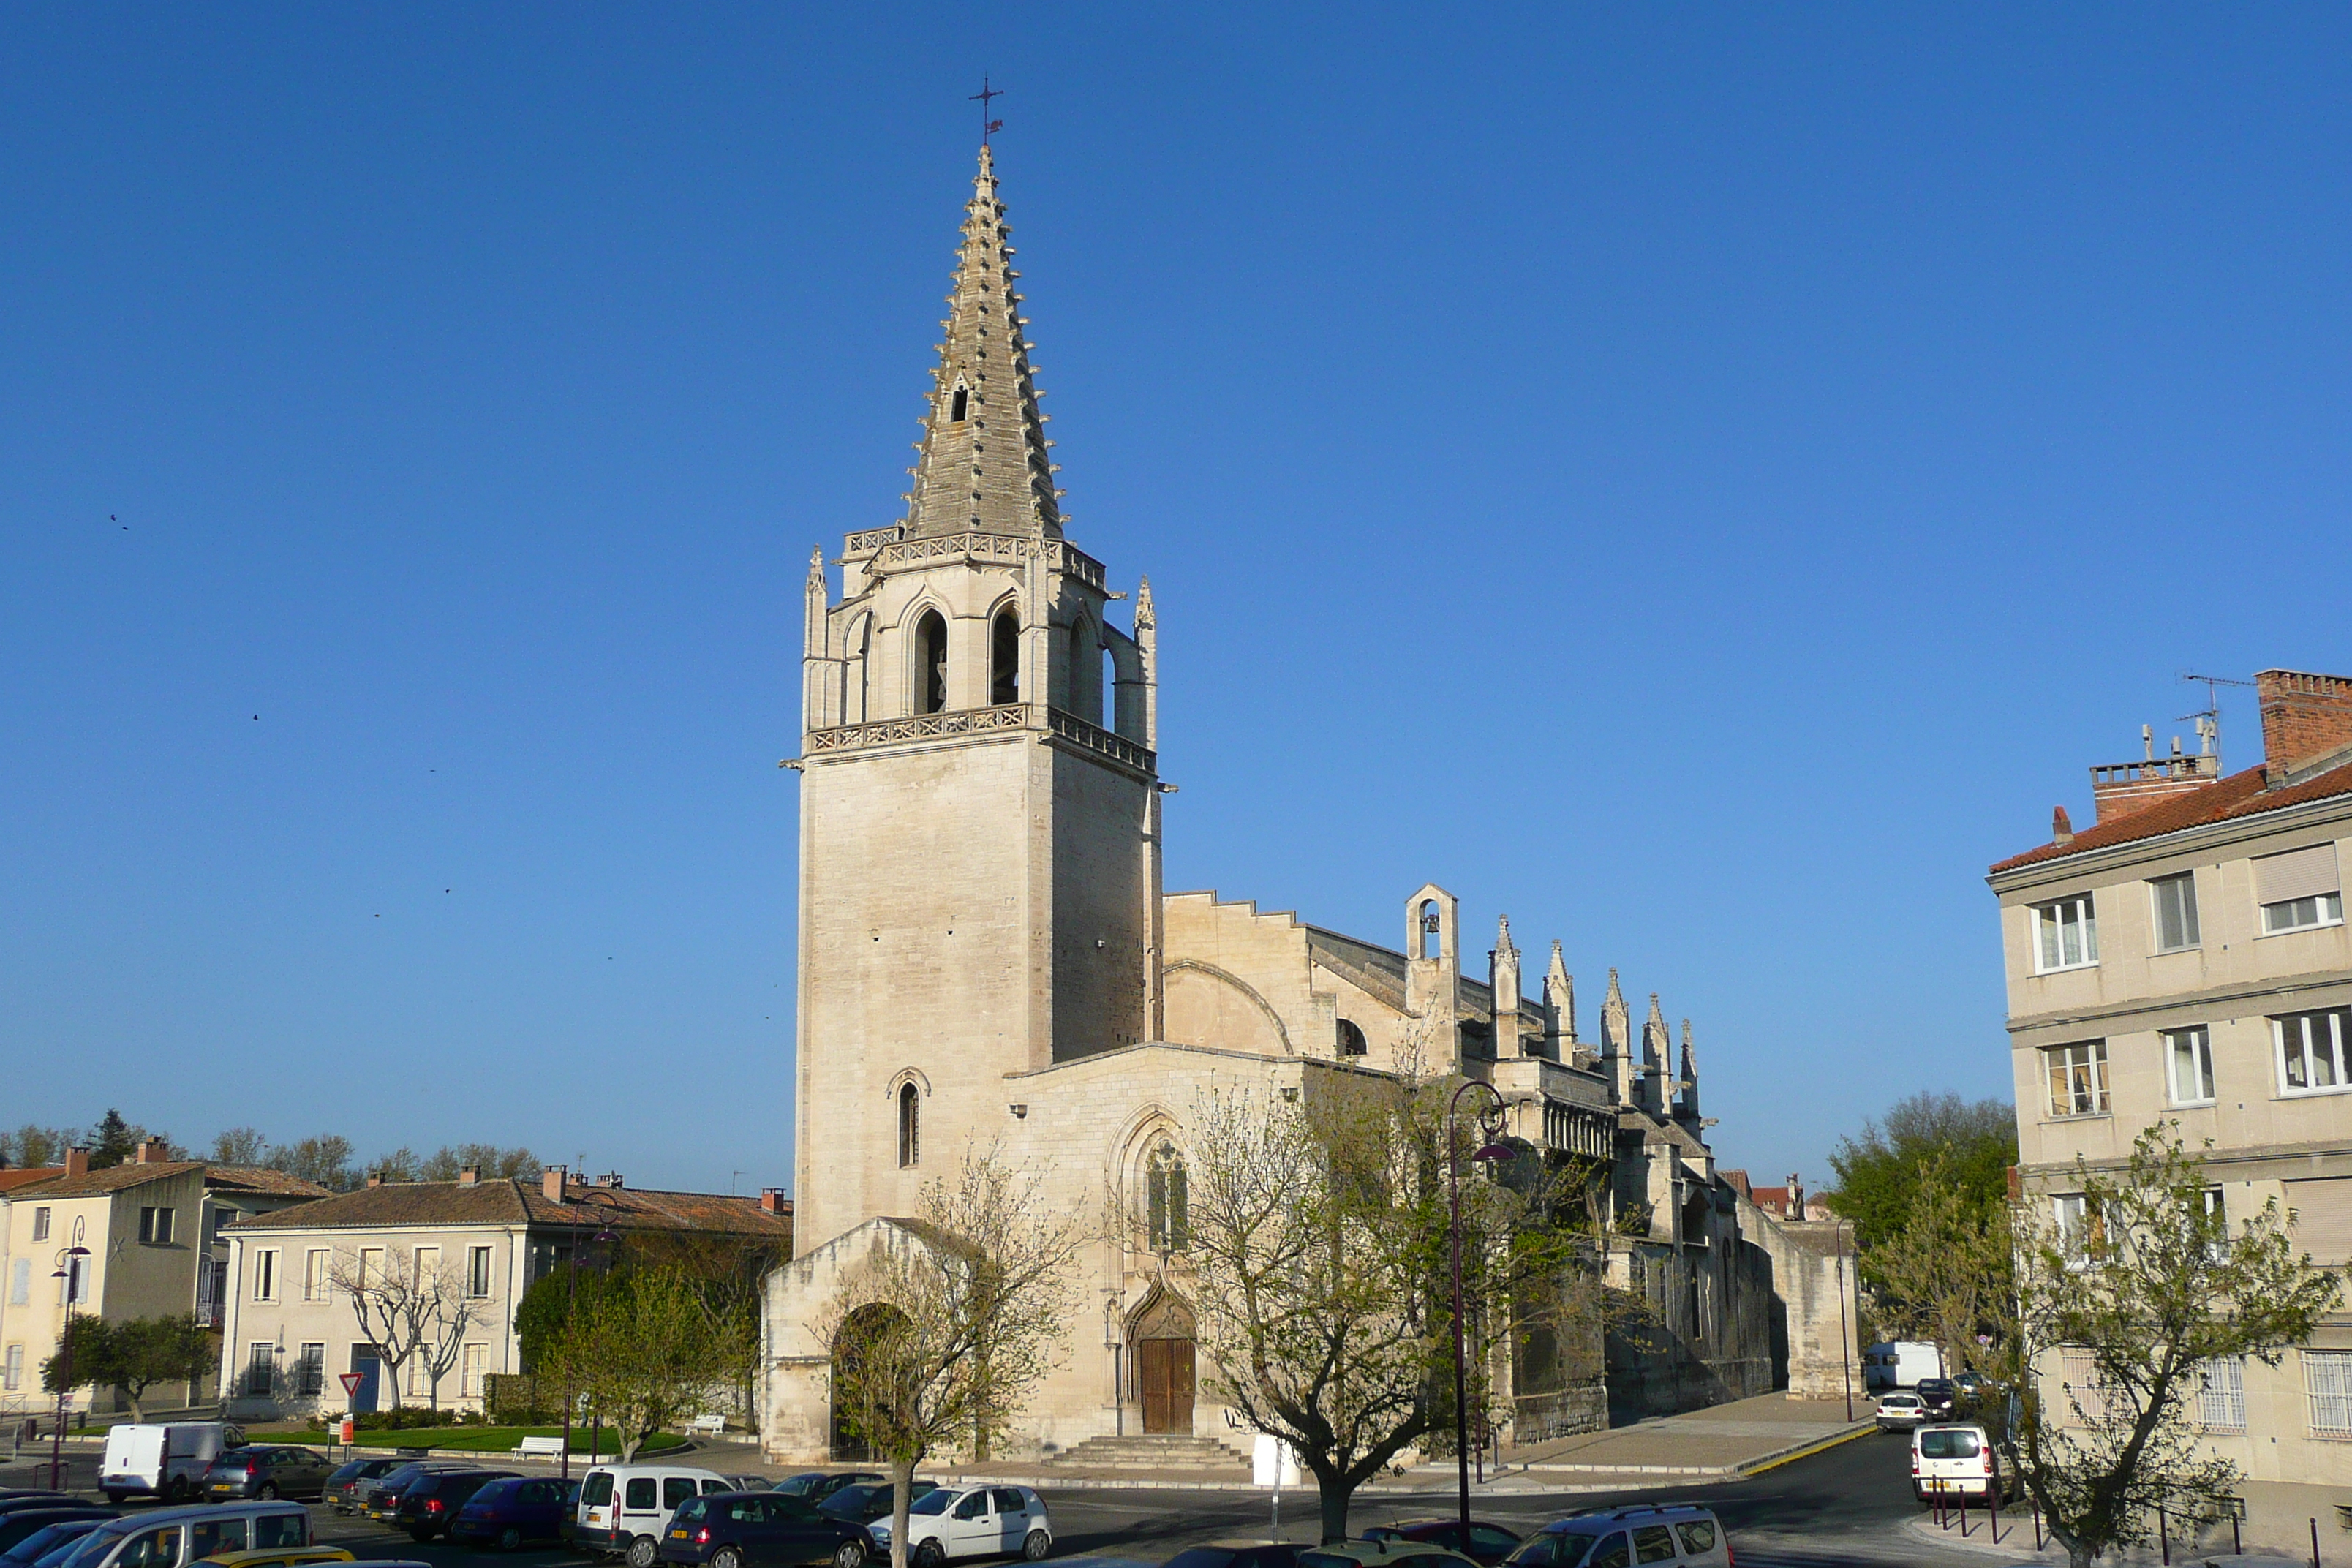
(987, 127)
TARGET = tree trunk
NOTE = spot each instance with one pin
(138, 1414)
(1335, 1495)
(902, 1482)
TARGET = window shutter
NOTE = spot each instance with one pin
(2323, 1217)
(2297, 873)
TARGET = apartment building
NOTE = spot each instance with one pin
(2185, 957)
(292, 1328)
(149, 1231)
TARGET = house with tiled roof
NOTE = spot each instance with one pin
(2184, 958)
(149, 1245)
(472, 1247)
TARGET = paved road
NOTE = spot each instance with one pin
(1842, 1509)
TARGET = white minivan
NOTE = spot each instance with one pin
(624, 1509)
(177, 1537)
(168, 1461)
(1956, 1461)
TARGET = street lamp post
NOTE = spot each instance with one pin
(67, 1270)
(1493, 1150)
(604, 1237)
(1846, 1344)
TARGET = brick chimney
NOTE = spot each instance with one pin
(772, 1200)
(151, 1151)
(375, 1178)
(468, 1174)
(2304, 717)
(550, 1183)
(77, 1161)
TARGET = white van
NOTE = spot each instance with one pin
(624, 1509)
(176, 1537)
(168, 1461)
(1901, 1363)
(1956, 1461)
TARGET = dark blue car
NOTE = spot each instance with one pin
(49, 1529)
(515, 1510)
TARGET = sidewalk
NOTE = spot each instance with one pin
(2017, 1546)
(1720, 1442)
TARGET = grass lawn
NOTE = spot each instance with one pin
(497, 1439)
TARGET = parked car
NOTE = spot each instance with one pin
(750, 1483)
(56, 1537)
(342, 1489)
(1937, 1396)
(1956, 1461)
(740, 1529)
(868, 1501)
(1901, 1413)
(1687, 1534)
(971, 1522)
(377, 1498)
(1973, 1387)
(24, 1524)
(1381, 1554)
(1488, 1543)
(258, 1471)
(49, 1541)
(430, 1504)
(283, 1557)
(166, 1460)
(15, 1493)
(1238, 1554)
(512, 1511)
(816, 1486)
(56, 1556)
(625, 1510)
(175, 1537)
(21, 1502)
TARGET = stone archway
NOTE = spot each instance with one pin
(859, 1334)
(1162, 1334)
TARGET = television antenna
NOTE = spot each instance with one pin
(2209, 718)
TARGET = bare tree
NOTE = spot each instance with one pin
(445, 1313)
(2138, 1300)
(1319, 1252)
(393, 1299)
(940, 1336)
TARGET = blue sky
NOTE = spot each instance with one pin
(1703, 481)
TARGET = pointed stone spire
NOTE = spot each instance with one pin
(1559, 997)
(1503, 981)
(1690, 1063)
(1654, 1037)
(1146, 616)
(1616, 1043)
(984, 467)
(817, 583)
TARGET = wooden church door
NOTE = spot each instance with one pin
(1165, 1369)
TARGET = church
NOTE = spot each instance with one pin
(987, 954)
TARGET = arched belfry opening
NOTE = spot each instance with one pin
(959, 405)
(860, 1400)
(1004, 658)
(930, 663)
(1429, 920)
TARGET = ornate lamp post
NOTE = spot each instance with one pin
(68, 1270)
(1494, 1149)
(604, 1237)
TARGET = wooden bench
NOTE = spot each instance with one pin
(551, 1447)
(711, 1425)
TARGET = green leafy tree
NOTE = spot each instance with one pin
(88, 1356)
(32, 1145)
(1320, 1260)
(1878, 1172)
(648, 1355)
(149, 1351)
(940, 1336)
(2117, 1319)
(1946, 1275)
(114, 1141)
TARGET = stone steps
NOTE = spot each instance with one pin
(1155, 1452)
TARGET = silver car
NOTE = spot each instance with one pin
(1901, 1412)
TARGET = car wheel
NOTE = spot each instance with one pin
(849, 1554)
(641, 1552)
(268, 1492)
(930, 1554)
(1037, 1546)
(420, 1536)
(727, 1557)
(115, 1498)
(511, 1538)
(175, 1490)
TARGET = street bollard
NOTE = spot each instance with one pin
(1992, 1506)
(2163, 1536)
(1964, 1516)
(2315, 1544)
(2237, 1546)
(2037, 1524)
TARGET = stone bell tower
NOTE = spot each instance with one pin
(980, 803)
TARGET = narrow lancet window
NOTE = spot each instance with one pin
(1168, 1209)
(1005, 658)
(909, 1133)
(957, 406)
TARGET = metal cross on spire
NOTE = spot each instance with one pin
(987, 127)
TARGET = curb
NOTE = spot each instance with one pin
(1757, 1465)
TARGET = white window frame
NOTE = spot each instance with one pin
(473, 1366)
(318, 1273)
(156, 1227)
(41, 1222)
(2050, 945)
(2327, 1384)
(480, 1272)
(2222, 1394)
(2192, 932)
(2058, 1059)
(265, 1275)
(2337, 1025)
(311, 1360)
(2313, 912)
(20, 1282)
(2198, 1041)
(12, 1369)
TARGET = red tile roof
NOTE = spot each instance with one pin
(501, 1200)
(130, 1173)
(22, 1175)
(2239, 795)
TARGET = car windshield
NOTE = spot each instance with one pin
(852, 1500)
(690, 1510)
(931, 1502)
(46, 1540)
(800, 1486)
